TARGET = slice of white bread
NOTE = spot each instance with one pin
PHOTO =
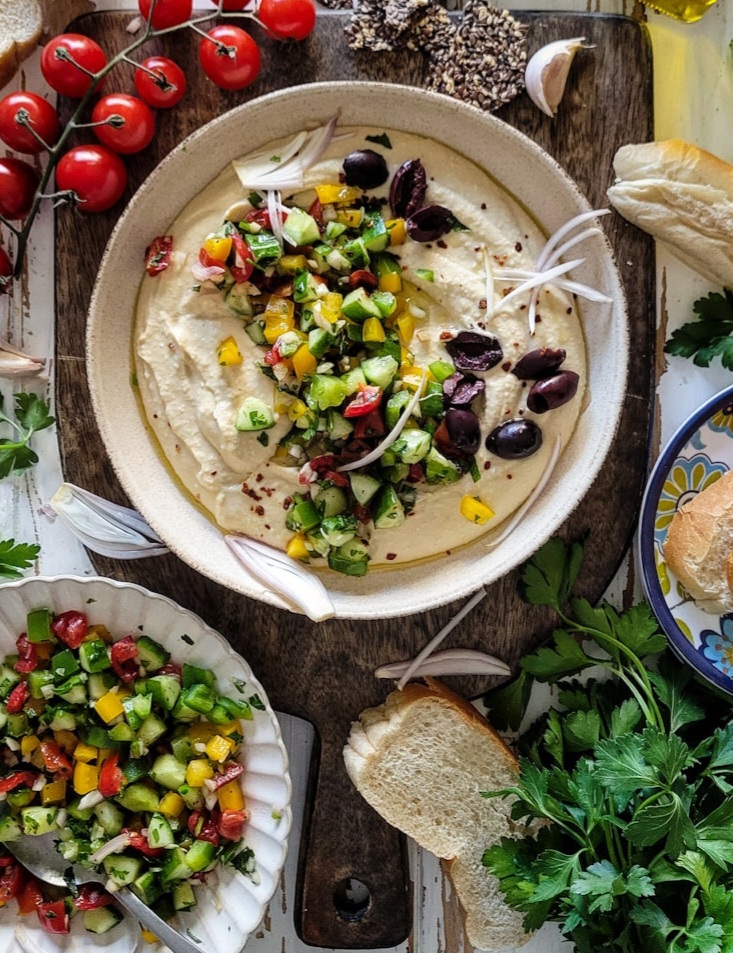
(21, 23)
(699, 546)
(422, 760)
(684, 197)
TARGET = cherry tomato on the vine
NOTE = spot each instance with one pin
(6, 271)
(288, 19)
(164, 91)
(22, 113)
(96, 175)
(129, 124)
(58, 63)
(229, 57)
(18, 184)
(230, 6)
(167, 13)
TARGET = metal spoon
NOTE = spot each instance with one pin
(40, 856)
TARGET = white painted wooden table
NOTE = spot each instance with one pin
(693, 78)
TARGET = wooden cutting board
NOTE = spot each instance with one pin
(324, 672)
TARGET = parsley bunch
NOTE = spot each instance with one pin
(710, 336)
(629, 777)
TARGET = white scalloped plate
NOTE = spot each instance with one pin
(231, 905)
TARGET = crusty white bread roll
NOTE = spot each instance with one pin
(699, 546)
(684, 197)
(422, 760)
(21, 23)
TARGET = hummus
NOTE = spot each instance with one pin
(249, 480)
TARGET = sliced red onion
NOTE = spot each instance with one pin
(554, 239)
(394, 433)
(16, 363)
(583, 291)
(489, 279)
(448, 662)
(113, 846)
(259, 172)
(542, 278)
(205, 272)
(274, 208)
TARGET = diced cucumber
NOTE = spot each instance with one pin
(387, 510)
(169, 772)
(175, 866)
(122, 732)
(72, 691)
(165, 690)
(386, 264)
(200, 698)
(122, 869)
(94, 656)
(151, 653)
(353, 380)
(431, 404)
(110, 817)
(193, 675)
(99, 737)
(351, 559)
(135, 769)
(182, 746)
(440, 470)
(330, 501)
(380, 370)
(37, 681)
(386, 302)
(182, 712)
(264, 247)
(192, 797)
(10, 828)
(256, 331)
(75, 811)
(305, 287)
(200, 854)
(325, 391)
(395, 406)
(300, 228)
(376, 235)
(63, 665)
(38, 626)
(319, 341)
(101, 920)
(236, 708)
(99, 684)
(17, 725)
(139, 797)
(302, 517)
(151, 729)
(160, 833)
(412, 446)
(183, 896)
(142, 704)
(62, 721)
(337, 530)
(254, 414)
(239, 301)
(38, 820)
(358, 306)
(338, 427)
(9, 678)
(363, 487)
(147, 887)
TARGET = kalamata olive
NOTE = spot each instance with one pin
(552, 392)
(540, 363)
(407, 192)
(472, 351)
(460, 389)
(459, 434)
(365, 168)
(515, 439)
(428, 224)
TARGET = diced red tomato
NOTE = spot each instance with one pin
(316, 212)
(365, 402)
(203, 827)
(338, 479)
(24, 779)
(158, 254)
(416, 474)
(17, 698)
(231, 824)
(260, 216)
(29, 895)
(54, 760)
(111, 776)
(370, 425)
(362, 513)
(362, 278)
(6, 860)
(322, 463)
(27, 655)
(242, 265)
(123, 656)
(170, 668)
(11, 880)
(272, 357)
(70, 628)
(91, 897)
(139, 842)
(231, 772)
(53, 916)
(207, 261)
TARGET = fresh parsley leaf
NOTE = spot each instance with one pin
(581, 730)
(555, 871)
(621, 766)
(548, 578)
(709, 336)
(638, 629)
(694, 862)
(669, 754)
(508, 702)
(15, 557)
(553, 737)
(626, 717)
(605, 884)
(381, 140)
(672, 683)
(566, 658)
(666, 817)
(31, 414)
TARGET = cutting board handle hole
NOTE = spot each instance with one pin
(352, 899)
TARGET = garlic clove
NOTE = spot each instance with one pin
(547, 73)
(16, 363)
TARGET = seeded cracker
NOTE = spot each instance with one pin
(479, 58)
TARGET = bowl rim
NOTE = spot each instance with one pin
(408, 578)
(680, 644)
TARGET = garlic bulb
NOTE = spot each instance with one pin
(547, 73)
(16, 363)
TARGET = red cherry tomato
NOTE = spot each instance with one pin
(54, 760)
(27, 655)
(6, 271)
(111, 776)
(166, 88)
(139, 842)
(229, 57)
(92, 897)
(233, 5)
(60, 61)
(29, 895)
(242, 265)
(96, 175)
(22, 112)
(53, 916)
(18, 184)
(231, 824)
(288, 19)
(366, 401)
(167, 13)
(158, 254)
(24, 779)
(11, 880)
(123, 656)
(17, 698)
(130, 124)
(70, 628)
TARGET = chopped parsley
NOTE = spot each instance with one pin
(381, 140)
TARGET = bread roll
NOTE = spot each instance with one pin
(682, 196)
(21, 23)
(422, 760)
(699, 546)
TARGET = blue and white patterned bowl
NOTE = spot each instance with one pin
(698, 454)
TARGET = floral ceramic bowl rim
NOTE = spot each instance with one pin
(647, 541)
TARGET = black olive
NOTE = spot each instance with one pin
(459, 390)
(407, 192)
(515, 439)
(459, 434)
(472, 351)
(552, 392)
(428, 224)
(365, 168)
(540, 363)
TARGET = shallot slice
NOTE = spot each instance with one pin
(16, 363)
(261, 172)
(113, 846)
(448, 662)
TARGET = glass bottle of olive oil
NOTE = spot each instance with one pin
(687, 10)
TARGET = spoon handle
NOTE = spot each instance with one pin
(174, 940)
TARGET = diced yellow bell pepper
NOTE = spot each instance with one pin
(219, 748)
(218, 247)
(44, 650)
(373, 330)
(297, 549)
(53, 793)
(391, 282)
(98, 632)
(351, 217)
(201, 731)
(330, 306)
(230, 796)
(36, 759)
(86, 753)
(411, 376)
(405, 327)
(86, 777)
(103, 754)
(337, 194)
(233, 727)
(228, 353)
(292, 263)
(66, 739)
(397, 231)
(109, 706)
(304, 362)
(198, 771)
(148, 935)
(279, 317)
(475, 511)
(171, 804)
(28, 743)
(297, 409)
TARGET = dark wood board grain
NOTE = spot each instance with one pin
(324, 672)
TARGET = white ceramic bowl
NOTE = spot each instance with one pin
(232, 905)
(519, 165)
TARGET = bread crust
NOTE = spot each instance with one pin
(21, 25)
